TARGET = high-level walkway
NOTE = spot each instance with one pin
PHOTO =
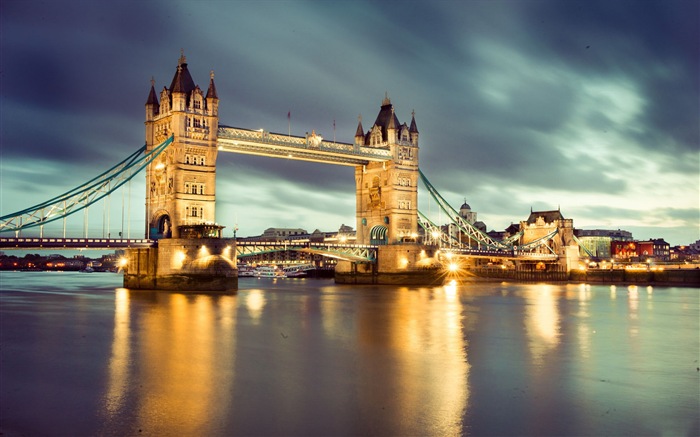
(311, 148)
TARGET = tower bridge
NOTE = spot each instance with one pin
(183, 139)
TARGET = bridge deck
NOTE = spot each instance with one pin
(259, 142)
(73, 243)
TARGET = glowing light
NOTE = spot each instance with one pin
(160, 166)
(179, 259)
(403, 262)
(203, 251)
(123, 262)
(453, 267)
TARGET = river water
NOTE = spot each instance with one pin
(80, 356)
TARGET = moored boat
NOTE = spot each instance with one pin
(245, 271)
(268, 272)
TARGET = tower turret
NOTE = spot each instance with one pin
(212, 97)
(359, 133)
(392, 128)
(181, 182)
(413, 130)
(387, 194)
(152, 102)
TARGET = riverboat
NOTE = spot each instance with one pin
(298, 271)
(268, 272)
(245, 271)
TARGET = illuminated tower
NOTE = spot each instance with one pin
(181, 182)
(387, 192)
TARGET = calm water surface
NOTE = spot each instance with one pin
(80, 356)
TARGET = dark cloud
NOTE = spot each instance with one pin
(519, 104)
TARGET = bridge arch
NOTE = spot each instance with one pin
(161, 225)
(378, 235)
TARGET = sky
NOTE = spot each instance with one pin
(590, 107)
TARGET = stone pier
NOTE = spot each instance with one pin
(183, 264)
(397, 264)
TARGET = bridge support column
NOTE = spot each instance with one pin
(179, 264)
(397, 264)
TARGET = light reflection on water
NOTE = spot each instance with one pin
(313, 358)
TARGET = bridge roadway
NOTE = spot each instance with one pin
(310, 148)
(348, 252)
(72, 243)
(511, 254)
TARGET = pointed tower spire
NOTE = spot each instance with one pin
(211, 92)
(152, 97)
(152, 106)
(386, 100)
(360, 132)
(392, 120)
(414, 127)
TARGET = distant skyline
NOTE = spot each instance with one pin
(592, 107)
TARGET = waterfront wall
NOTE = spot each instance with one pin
(672, 277)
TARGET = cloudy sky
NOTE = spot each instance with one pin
(588, 106)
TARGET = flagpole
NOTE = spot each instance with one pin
(289, 123)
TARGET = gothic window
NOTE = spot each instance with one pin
(194, 212)
(201, 188)
(201, 160)
(376, 136)
(187, 187)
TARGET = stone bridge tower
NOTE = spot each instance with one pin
(387, 192)
(181, 182)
